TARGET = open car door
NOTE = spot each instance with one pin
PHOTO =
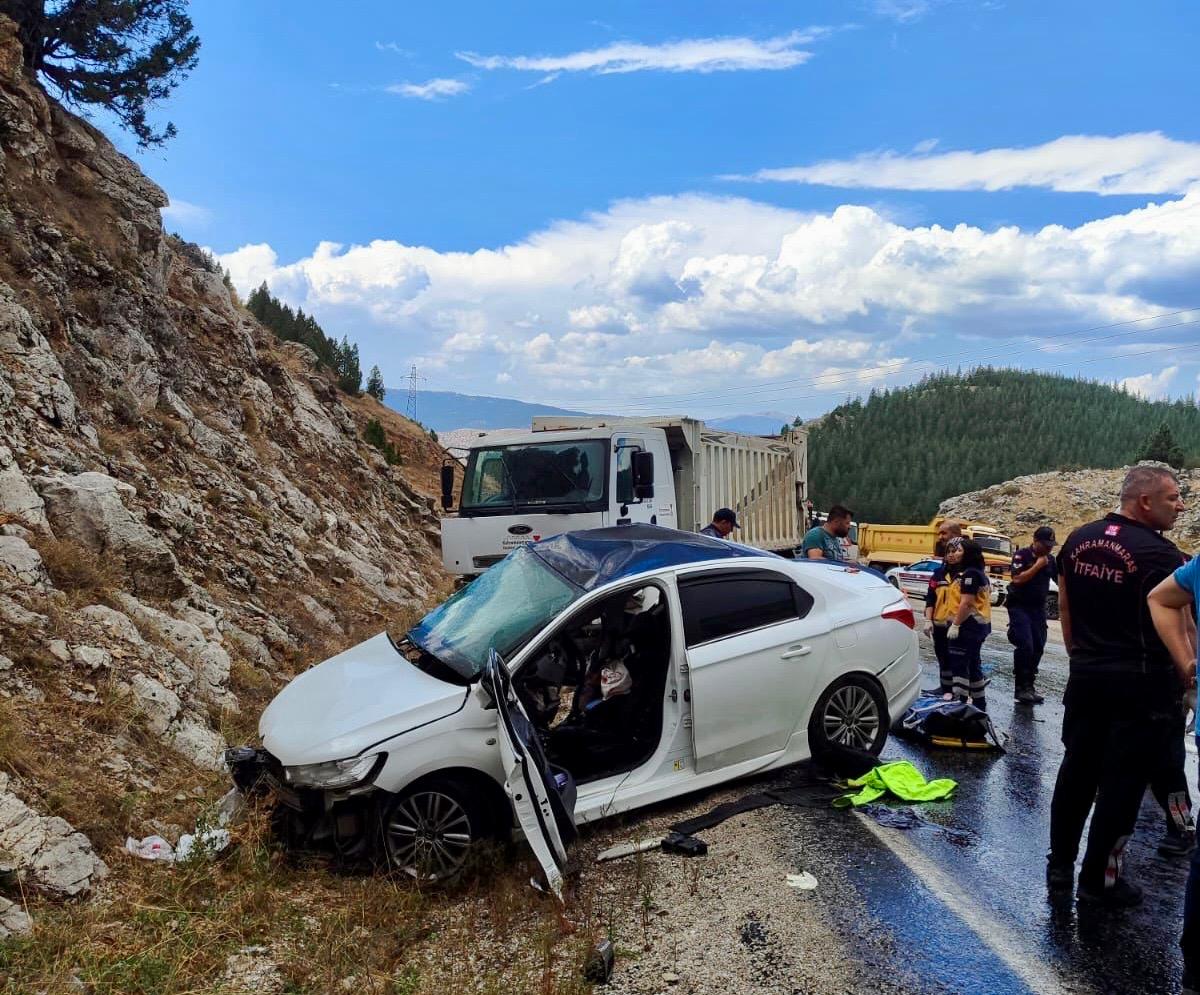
(543, 797)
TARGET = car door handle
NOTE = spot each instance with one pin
(795, 651)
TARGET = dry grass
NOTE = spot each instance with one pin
(169, 930)
(77, 570)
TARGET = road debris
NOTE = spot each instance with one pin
(803, 881)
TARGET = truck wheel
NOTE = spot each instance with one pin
(851, 712)
(432, 831)
(1052, 606)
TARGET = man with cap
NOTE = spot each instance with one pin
(724, 521)
(1033, 569)
(823, 542)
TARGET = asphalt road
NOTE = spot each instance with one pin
(957, 888)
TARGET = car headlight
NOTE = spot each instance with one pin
(333, 773)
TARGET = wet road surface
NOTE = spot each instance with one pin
(959, 886)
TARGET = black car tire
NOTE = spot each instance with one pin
(1052, 606)
(434, 830)
(852, 712)
(895, 583)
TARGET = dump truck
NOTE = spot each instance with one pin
(573, 473)
(884, 546)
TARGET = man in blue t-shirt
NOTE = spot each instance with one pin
(1175, 608)
(1032, 570)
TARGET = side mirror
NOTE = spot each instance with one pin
(447, 486)
(643, 475)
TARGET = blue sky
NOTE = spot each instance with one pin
(706, 207)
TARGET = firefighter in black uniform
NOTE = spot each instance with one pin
(1123, 688)
(1032, 570)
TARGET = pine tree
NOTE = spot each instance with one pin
(895, 456)
(121, 55)
(1161, 447)
(375, 384)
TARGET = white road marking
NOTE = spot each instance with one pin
(1018, 955)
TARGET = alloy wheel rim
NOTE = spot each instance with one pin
(852, 717)
(429, 836)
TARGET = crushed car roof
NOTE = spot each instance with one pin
(596, 556)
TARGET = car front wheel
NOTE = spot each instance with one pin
(851, 712)
(431, 831)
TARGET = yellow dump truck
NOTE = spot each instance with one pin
(883, 546)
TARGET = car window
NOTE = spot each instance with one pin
(923, 565)
(716, 605)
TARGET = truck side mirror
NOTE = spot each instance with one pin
(447, 486)
(643, 475)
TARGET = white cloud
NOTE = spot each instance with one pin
(433, 89)
(710, 297)
(391, 46)
(1137, 163)
(1152, 386)
(903, 10)
(182, 212)
(697, 55)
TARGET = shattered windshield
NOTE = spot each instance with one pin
(995, 544)
(500, 610)
(502, 478)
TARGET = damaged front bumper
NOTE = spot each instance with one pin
(341, 821)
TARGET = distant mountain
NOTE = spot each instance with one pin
(767, 423)
(443, 410)
(895, 456)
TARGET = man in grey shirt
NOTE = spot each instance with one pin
(823, 542)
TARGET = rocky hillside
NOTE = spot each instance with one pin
(188, 514)
(1064, 500)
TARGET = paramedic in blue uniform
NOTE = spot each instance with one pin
(1029, 586)
(1123, 690)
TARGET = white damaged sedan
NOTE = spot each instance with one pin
(584, 675)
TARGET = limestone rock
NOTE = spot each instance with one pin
(114, 624)
(92, 657)
(157, 702)
(14, 920)
(58, 859)
(87, 507)
(23, 562)
(17, 497)
(1064, 500)
(200, 744)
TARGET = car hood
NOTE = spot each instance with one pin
(353, 701)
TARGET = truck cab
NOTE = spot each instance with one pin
(517, 491)
(582, 472)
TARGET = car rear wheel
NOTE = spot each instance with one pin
(851, 712)
(432, 831)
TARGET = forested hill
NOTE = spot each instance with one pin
(896, 455)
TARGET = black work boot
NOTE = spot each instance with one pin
(1025, 696)
(1121, 894)
(1178, 844)
(1060, 877)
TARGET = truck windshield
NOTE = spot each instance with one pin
(995, 544)
(501, 609)
(534, 476)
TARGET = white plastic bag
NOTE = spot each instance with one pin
(151, 848)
